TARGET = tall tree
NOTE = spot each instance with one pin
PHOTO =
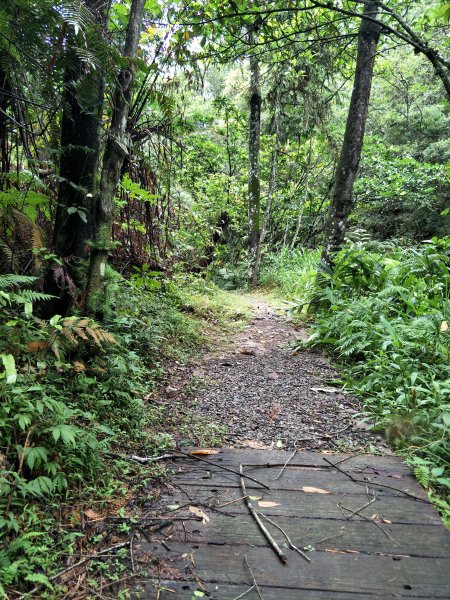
(272, 178)
(115, 152)
(79, 143)
(254, 184)
(342, 200)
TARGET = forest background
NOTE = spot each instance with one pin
(155, 154)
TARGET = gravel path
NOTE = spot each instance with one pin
(270, 397)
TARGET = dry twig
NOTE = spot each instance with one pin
(254, 580)
(260, 524)
(245, 593)
(384, 485)
(286, 464)
(288, 539)
(209, 462)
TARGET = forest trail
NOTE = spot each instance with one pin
(270, 396)
(363, 525)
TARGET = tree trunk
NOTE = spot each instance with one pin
(305, 196)
(80, 147)
(342, 199)
(115, 152)
(272, 187)
(254, 187)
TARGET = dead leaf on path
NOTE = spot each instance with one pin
(254, 444)
(255, 497)
(383, 520)
(326, 390)
(327, 452)
(91, 514)
(247, 351)
(199, 513)
(314, 490)
(267, 504)
(204, 452)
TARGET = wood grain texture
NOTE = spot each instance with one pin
(396, 547)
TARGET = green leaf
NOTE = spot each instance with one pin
(10, 368)
(39, 578)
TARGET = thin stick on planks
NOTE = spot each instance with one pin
(245, 593)
(209, 462)
(258, 521)
(288, 539)
(286, 464)
(258, 591)
(376, 483)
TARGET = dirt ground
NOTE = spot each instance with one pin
(269, 396)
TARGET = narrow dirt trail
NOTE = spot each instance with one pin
(271, 397)
(256, 520)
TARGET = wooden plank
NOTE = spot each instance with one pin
(341, 573)
(294, 478)
(234, 456)
(316, 506)
(184, 590)
(418, 540)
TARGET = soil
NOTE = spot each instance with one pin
(270, 396)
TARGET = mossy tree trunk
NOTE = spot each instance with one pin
(80, 147)
(115, 152)
(342, 200)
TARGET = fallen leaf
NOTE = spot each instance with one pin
(91, 514)
(314, 490)
(255, 497)
(327, 452)
(444, 326)
(325, 390)
(205, 452)
(256, 445)
(267, 504)
(199, 513)
(78, 366)
(173, 506)
(37, 345)
(279, 444)
(383, 520)
(374, 516)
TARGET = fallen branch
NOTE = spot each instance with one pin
(149, 459)
(288, 539)
(384, 485)
(260, 524)
(254, 579)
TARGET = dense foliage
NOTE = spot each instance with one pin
(385, 312)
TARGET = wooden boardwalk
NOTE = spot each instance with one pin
(366, 524)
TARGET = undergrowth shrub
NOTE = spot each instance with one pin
(70, 392)
(386, 312)
(292, 271)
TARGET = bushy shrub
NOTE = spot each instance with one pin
(386, 311)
